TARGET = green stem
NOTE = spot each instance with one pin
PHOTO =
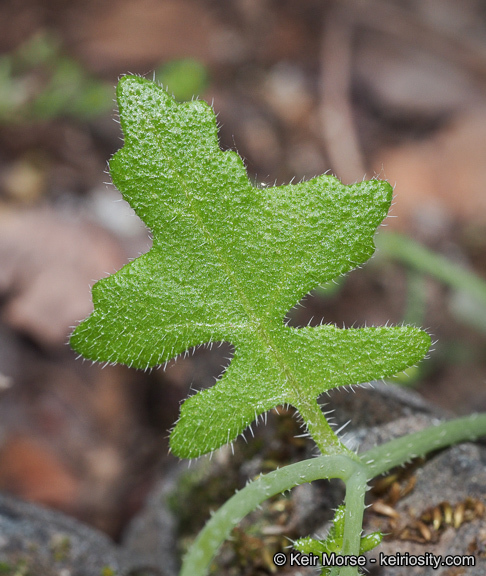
(321, 432)
(353, 522)
(416, 299)
(218, 528)
(428, 262)
(396, 452)
(373, 462)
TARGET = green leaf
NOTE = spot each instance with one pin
(228, 261)
(183, 78)
(370, 541)
(334, 541)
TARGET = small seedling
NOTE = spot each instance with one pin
(38, 83)
(228, 262)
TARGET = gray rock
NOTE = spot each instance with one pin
(37, 541)
(40, 542)
(452, 476)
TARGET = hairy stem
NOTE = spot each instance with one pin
(382, 458)
(321, 432)
(218, 528)
(353, 473)
(353, 522)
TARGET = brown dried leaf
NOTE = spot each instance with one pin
(47, 263)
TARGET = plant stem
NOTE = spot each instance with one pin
(321, 432)
(218, 528)
(373, 462)
(396, 452)
(416, 304)
(417, 256)
(353, 521)
(354, 501)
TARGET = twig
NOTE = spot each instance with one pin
(336, 113)
(386, 18)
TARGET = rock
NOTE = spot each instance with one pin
(150, 540)
(39, 541)
(452, 480)
(378, 414)
(456, 476)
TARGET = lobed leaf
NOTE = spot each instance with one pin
(227, 263)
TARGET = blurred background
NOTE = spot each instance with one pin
(359, 88)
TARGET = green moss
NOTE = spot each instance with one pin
(107, 571)
(17, 568)
(60, 546)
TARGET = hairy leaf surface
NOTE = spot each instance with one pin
(227, 263)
